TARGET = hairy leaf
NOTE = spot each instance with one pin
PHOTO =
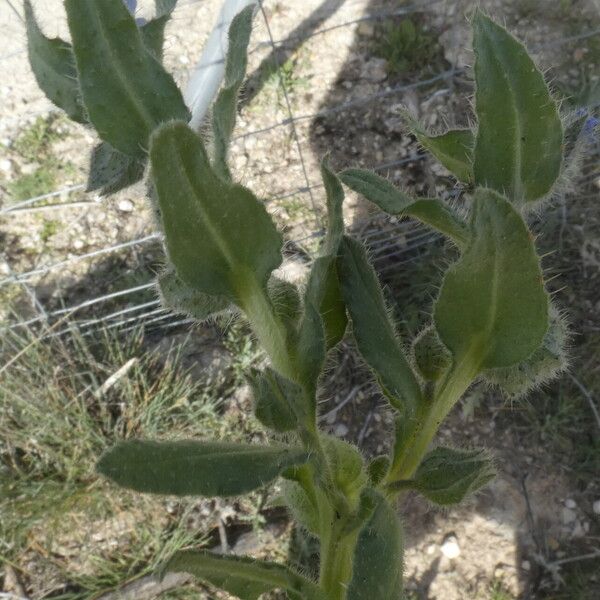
(518, 150)
(225, 107)
(544, 365)
(492, 307)
(346, 464)
(377, 569)
(275, 399)
(446, 476)
(181, 298)
(126, 91)
(243, 577)
(112, 171)
(373, 330)
(454, 148)
(431, 356)
(323, 289)
(53, 65)
(153, 32)
(194, 468)
(390, 199)
(218, 235)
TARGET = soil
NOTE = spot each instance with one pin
(508, 537)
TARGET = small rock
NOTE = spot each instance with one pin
(125, 206)
(526, 565)
(578, 530)
(596, 507)
(568, 516)
(570, 503)
(340, 430)
(430, 549)
(366, 29)
(6, 167)
(450, 548)
(184, 60)
(78, 244)
(374, 70)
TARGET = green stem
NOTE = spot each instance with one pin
(454, 385)
(337, 552)
(267, 326)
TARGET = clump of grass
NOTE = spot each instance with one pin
(65, 532)
(35, 146)
(406, 46)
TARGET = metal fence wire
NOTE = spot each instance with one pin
(392, 244)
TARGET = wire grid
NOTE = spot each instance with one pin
(387, 253)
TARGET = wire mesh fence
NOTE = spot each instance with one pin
(288, 126)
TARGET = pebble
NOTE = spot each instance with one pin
(568, 515)
(526, 565)
(5, 166)
(340, 430)
(375, 70)
(596, 507)
(570, 503)
(125, 206)
(450, 548)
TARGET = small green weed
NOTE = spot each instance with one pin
(275, 75)
(34, 146)
(406, 46)
(37, 139)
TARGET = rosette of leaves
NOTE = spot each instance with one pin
(492, 313)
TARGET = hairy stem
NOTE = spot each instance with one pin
(451, 389)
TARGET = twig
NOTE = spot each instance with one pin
(119, 374)
(147, 587)
(588, 397)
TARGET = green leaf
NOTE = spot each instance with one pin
(181, 298)
(378, 469)
(219, 237)
(275, 399)
(377, 568)
(225, 107)
(285, 299)
(346, 464)
(243, 577)
(304, 510)
(390, 199)
(185, 468)
(518, 151)
(53, 65)
(544, 365)
(373, 329)
(126, 91)
(111, 171)
(153, 32)
(310, 349)
(446, 476)
(493, 310)
(454, 148)
(430, 355)
(323, 289)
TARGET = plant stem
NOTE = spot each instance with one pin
(267, 326)
(336, 560)
(449, 392)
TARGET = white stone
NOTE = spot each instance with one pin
(570, 503)
(526, 565)
(450, 548)
(5, 166)
(340, 430)
(596, 507)
(568, 515)
(125, 205)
